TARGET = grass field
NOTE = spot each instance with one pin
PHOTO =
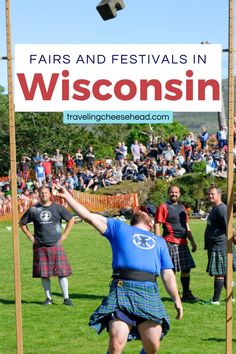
(60, 329)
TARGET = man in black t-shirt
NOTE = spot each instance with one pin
(216, 243)
(49, 258)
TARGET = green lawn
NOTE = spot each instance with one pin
(59, 329)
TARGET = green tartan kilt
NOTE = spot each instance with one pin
(141, 299)
(217, 262)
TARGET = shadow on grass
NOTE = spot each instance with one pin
(82, 296)
(190, 302)
(7, 302)
(216, 340)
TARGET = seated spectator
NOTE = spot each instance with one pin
(211, 165)
(168, 153)
(222, 166)
(188, 165)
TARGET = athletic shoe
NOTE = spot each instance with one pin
(189, 297)
(48, 302)
(211, 302)
(68, 302)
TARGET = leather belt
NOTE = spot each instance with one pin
(127, 274)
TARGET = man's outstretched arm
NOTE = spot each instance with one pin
(96, 220)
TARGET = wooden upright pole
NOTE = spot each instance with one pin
(230, 177)
(15, 234)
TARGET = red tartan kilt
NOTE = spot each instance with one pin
(50, 261)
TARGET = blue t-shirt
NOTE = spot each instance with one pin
(136, 249)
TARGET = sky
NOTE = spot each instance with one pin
(141, 21)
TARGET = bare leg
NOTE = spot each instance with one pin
(150, 333)
(118, 331)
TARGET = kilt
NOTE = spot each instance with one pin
(50, 261)
(217, 262)
(141, 299)
(181, 257)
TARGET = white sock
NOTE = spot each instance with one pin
(63, 281)
(47, 287)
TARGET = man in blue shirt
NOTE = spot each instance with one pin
(133, 309)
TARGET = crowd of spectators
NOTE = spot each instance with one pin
(159, 158)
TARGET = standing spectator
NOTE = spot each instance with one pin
(70, 163)
(49, 256)
(176, 230)
(125, 150)
(203, 137)
(39, 173)
(58, 163)
(119, 154)
(176, 144)
(143, 152)
(37, 158)
(216, 243)
(135, 151)
(133, 306)
(23, 167)
(187, 144)
(221, 137)
(160, 146)
(79, 158)
(90, 157)
(47, 164)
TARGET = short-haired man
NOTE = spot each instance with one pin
(133, 308)
(49, 258)
(173, 217)
(216, 243)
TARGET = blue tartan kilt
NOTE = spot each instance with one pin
(217, 262)
(141, 299)
(181, 257)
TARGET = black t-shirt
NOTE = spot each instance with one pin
(215, 233)
(47, 222)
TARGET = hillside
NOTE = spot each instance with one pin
(195, 120)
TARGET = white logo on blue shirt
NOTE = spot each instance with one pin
(144, 242)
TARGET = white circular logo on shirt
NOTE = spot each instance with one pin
(45, 215)
(145, 242)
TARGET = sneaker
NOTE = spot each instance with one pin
(48, 302)
(211, 302)
(189, 297)
(68, 302)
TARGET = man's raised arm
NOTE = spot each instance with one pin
(96, 220)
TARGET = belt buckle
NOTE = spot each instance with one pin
(120, 283)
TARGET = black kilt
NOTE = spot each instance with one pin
(217, 262)
(181, 257)
(50, 261)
